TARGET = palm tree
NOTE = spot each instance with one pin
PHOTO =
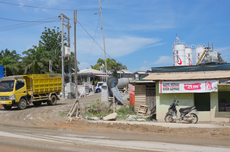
(112, 65)
(35, 61)
(10, 60)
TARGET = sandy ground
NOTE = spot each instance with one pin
(54, 117)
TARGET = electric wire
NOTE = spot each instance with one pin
(2, 18)
(27, 24)
(30, 6)
(94, 40)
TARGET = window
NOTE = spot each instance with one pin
(19, 84)
(6, 86)
(224, 101)
(202, 101)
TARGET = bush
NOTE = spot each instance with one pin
(124, 111)
(98, 109)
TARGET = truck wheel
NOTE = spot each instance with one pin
(53, 100)
(7, 107)
(22, 104)
(37, 103)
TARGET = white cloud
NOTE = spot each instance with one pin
(144, 68)
(223, 49)
(163, 60)
(117, 47)
(145, 62)
(84, 65)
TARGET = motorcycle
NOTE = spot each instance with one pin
(188, 114)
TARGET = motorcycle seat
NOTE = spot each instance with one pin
(184, 109)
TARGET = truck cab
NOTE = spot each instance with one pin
(12, 89)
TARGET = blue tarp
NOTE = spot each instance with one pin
(117, 95)
(191, 68)
(1, 71)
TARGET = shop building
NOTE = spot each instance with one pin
(208, 90)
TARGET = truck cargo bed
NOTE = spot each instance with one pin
(43, 83)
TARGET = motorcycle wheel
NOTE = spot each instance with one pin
(194, 118)
(169, 118)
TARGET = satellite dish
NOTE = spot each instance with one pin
(112, 82)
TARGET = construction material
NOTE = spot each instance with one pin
(74, 109)
(117, 95)
(143, 109)
(110, 117)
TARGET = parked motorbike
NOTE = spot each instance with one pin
(188, 114)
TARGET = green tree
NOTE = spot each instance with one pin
(11, 61)
(51, 42)
(35, 61)
(112, 66)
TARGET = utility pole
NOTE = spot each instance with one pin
(75, 51)
(62, 57)
(103, 41)
(62, 48)
(70, 74)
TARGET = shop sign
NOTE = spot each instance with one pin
(188, 86)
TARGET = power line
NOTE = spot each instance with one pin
(93, 39)
(22, 5)
(2, 18)
(8, 26)
(27, 24)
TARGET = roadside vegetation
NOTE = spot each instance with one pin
(36, 59)
(98, 109)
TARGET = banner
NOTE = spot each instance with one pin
(188, 86)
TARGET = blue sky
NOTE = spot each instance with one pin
(138, 33)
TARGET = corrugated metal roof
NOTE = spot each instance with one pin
(90, 72)
(189, 76)
(140, 82)
(124, 71)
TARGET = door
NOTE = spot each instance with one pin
(151, 99)
(20, 90)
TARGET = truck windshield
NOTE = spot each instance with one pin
(6, 86)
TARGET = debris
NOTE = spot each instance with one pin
(131, 117)
(101, 118)
(92, 118)
(110, 117)
(143, 109)
(141, 120)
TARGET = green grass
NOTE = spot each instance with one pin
(62, 113)
(124, 111)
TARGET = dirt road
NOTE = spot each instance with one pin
(44, 128)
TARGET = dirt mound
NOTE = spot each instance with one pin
(82, 125)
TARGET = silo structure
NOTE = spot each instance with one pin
(179, 55)
(199, 51)
(188, 56)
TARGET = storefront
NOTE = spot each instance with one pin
(205, 90)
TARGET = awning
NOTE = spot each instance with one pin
(223, 87)
(189, 76)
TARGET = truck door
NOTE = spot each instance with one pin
(20, 90)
